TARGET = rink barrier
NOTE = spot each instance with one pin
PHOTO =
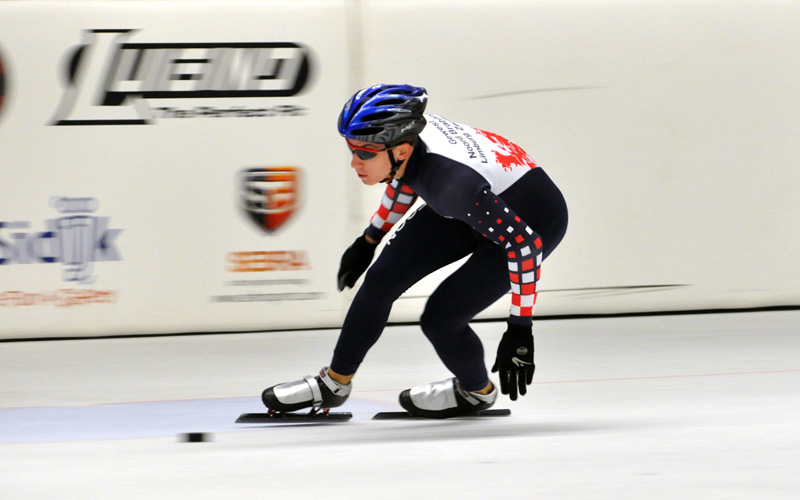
(163, 175)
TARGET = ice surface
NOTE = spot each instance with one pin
(683, 407)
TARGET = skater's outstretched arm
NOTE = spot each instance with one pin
(397, 199)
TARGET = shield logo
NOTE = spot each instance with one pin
(269, 196)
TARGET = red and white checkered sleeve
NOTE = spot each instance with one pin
(491, 217)
(396, 201)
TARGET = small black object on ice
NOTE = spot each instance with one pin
(194, 437)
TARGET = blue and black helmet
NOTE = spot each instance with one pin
(383, 113)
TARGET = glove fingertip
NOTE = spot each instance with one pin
(503, 386)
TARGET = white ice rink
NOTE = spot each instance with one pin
(669, 407)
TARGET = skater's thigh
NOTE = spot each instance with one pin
(423, 243)
(478, 283)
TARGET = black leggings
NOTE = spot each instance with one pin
(427, 242)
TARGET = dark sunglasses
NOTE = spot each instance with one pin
(365, 153)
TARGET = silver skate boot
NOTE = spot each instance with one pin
(320, 392)
(444, 399)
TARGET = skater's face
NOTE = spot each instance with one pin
(371, 161)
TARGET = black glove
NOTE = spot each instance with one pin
(515, 360)
(355, 261)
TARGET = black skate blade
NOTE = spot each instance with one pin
(278, 417)
(400, 415)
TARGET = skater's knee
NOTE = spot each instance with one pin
(436, 325)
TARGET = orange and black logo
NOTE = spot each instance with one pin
(269, 196)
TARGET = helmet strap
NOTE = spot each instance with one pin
(395, 166)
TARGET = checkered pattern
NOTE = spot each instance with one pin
(397, 199)
(496, 221)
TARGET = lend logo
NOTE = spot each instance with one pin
(110, 80)
(269, 196)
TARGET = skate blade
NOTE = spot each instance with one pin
(399, 415)
(277, 417)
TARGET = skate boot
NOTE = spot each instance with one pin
(320, 392)
(444, 399)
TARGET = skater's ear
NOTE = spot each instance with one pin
(403, 151)
(404, 147)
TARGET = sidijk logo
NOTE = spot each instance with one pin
(113, 81)
(77, 240)
(269, 196)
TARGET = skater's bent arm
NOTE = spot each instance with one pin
(468, 197)
(396, 201)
